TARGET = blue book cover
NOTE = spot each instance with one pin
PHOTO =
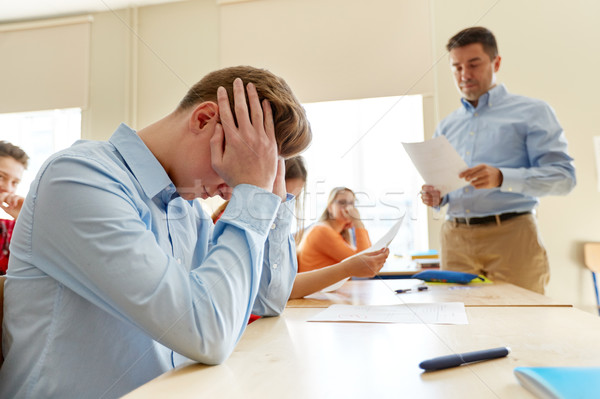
(560, 382)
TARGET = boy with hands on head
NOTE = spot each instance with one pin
(252, 142)
(116, 272)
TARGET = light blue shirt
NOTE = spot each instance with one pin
(518, 135)
(111, 270)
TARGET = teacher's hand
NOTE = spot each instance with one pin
(483, 176)
(430, 195)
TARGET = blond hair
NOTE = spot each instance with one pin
(326, 216)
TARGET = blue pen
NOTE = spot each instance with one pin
(419, 288)
(443, 362)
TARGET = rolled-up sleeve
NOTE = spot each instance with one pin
(550, 170)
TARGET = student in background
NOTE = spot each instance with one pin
(116, 272)
(306, 283)
(13, 162)
(516, 151)
(329, 240)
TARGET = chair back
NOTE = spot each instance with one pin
(591, 256)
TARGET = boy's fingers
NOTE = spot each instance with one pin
(239, 101)
(256, 112)
(224, 109)
(268, 120)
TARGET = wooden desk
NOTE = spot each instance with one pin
(288, 357)
(382, 292)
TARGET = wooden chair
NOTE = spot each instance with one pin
(591, 258)
(2, 280)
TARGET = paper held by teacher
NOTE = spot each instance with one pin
(438, 163)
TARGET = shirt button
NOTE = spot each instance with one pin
(179, 260)
(468, 211)
(510, 189)
(275, 265)
(468, 152)
(466, 189)
(472, 133)
(273, 226)
(476, 114)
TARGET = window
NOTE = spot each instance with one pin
(40, 134)
(358, 144)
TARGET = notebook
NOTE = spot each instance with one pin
(560, 382)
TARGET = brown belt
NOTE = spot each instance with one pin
(488, 219)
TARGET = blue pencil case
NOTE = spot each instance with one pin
(446, 276)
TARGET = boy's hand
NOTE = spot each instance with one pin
(246, 153)
(279, 184)
(11, 204)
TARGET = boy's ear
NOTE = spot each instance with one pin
(204, 114)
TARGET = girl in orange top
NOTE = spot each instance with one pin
(365, 265)
(328, 242)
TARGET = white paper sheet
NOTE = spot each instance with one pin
(410, 313)
(438, 163)
(387, 238)
(382, 243)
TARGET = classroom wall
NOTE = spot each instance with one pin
(144, 59)
(334, 49)
(109, 76)
(180, 45)
(52, 76)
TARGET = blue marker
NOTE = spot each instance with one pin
(444, 362)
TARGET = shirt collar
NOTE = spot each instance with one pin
(141, 161)
(492, 97)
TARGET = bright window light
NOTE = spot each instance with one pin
(40, 134)
(358, 144)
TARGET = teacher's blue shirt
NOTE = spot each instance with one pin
(113, 277)
(519, 135)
